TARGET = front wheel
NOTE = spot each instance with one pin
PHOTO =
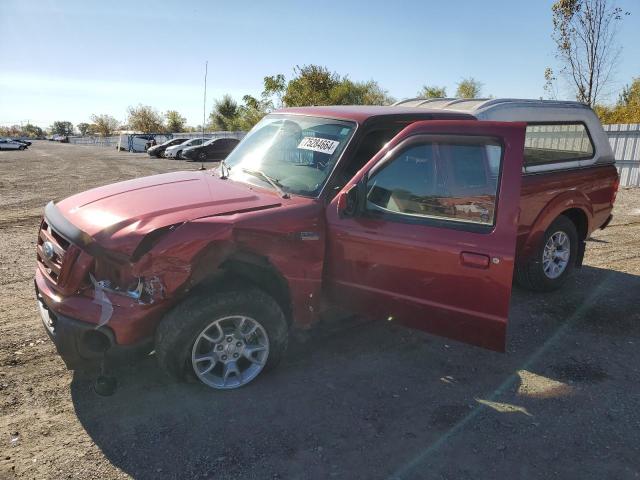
(555, 260)
(224, 340)
(202, 156)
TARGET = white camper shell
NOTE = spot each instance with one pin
(560, 134)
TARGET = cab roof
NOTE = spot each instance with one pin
(506, 109)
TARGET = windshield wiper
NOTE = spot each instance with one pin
(272, 181)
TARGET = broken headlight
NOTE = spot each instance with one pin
(118, 279)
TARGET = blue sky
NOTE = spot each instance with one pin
(67, 60)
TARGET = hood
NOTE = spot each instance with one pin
(118, 216)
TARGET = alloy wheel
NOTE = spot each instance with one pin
(556, 253)
(230, 352)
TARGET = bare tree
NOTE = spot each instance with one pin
(585, 35)
(550, 84)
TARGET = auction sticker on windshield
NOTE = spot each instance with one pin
(322, 145)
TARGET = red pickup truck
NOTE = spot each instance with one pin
(420, 213)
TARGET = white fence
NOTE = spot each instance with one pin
(625, 142)
(97, 141)
(113, 141)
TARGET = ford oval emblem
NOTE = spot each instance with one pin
(48, 250)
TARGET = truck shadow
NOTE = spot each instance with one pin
(363, 399)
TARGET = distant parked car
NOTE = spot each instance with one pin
(8, 144)
(25, 142)
(214, 149)
(158, 150)
(59, 138)
(176, 150)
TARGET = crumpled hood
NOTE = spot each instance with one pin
(119, 215)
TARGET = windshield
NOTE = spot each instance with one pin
(295, 152)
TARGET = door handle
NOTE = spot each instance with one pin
(474, 260)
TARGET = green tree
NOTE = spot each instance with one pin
(274, 85)
(348, 92)
(83, 128)
(311, 85)
(32, 131)
(225, 113)
(61, 128)
(585, 32)
(316, 85)
(626, 110)
(432, 91)
(469, 88)
(630, 95)
(145, 119)
(175, 122)
(104, 125)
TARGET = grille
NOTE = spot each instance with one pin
(52, 264)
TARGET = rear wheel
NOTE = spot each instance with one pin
(225, 340)
(555, 260)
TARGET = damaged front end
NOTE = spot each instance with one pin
(94, 301)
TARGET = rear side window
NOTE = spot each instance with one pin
(446, 180)
(551, 143)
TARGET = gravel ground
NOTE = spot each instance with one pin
(356, 399)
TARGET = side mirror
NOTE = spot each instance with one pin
(348, 202)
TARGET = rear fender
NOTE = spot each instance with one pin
(561, 203)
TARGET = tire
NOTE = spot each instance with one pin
(202, 156)
(178, 155)
(186, 324)
(21, 148)
(532, 275)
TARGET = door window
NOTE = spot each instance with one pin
(453, 179)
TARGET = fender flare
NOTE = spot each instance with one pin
(561, 203)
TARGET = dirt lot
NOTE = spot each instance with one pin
(356, 400)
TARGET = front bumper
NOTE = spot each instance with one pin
(72, 322)
(81, 345)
